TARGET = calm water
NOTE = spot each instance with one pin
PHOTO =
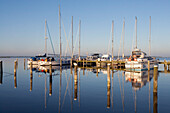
(82, 92)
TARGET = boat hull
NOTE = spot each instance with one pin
(139, 66)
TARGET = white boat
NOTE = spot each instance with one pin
(53, 62)
(93, 57)
(138, 61)
(35, 60)
(106, 57)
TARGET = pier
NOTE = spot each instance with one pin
(115, 64)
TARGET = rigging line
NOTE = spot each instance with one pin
(120, 89)
(120, 43)
(66, 36)
(76, 39)
(65, 92)
(109, 41)
(68, 43)
(51, 40)
(68, 87)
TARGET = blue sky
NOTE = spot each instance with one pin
(22, 25)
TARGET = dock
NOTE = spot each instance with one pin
(114, 64)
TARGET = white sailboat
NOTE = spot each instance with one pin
(50, 60)
(138, 61)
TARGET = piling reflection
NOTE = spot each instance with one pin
(75, 83)
(1, 77)
(1, 72)
(155, 89)
(108, 87)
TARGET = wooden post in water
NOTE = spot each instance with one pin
(96, 63)
(168, 67)
(1, 71)
(24, 63)
(75, 83)
(15, 70)
(165, 65)
(108, 85)
(83, 63)
(31, 76)
(148, 65)
(155, 88)
(17, 62)
(71, 63)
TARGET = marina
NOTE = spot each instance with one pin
(84, 56)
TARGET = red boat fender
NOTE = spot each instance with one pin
(129, 59)
(135, 59)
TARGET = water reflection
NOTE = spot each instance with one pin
(62, 88)
(140, 79)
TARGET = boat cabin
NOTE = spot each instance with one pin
(137, 53)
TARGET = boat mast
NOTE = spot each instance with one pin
(72, 36)
(79, 37)
(112, 37)
(150, 37)
(136, 31)
(123, 38)
(46, 37)
(60, 34)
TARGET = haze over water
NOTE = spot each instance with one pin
(84, 91)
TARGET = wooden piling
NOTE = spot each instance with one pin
(71, 63)
(17, 62)
(155, 87)
(24, 63)
(83, 62)
(96, 63)
(31, 76)
(15, 70)
(1, 72)
(50, 89)
(165, 65)
(148, 65)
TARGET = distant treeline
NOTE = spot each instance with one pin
(69, 56)
(15, 56)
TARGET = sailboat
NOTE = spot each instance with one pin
(52, 61)
(139, 60)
